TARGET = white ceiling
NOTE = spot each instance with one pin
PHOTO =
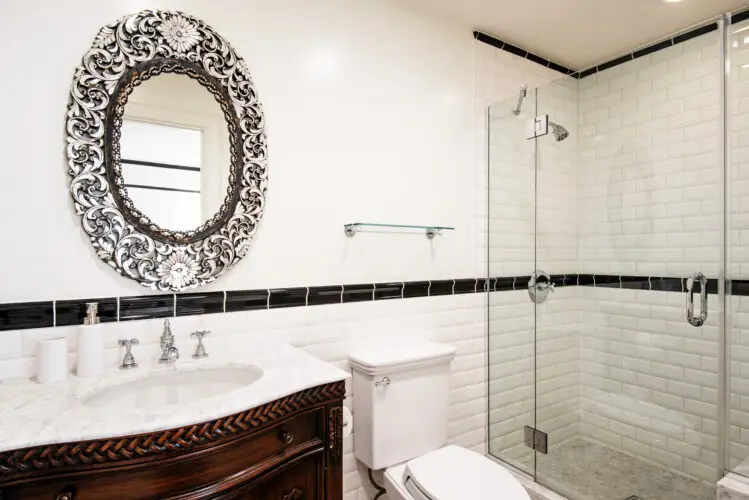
(580, 33)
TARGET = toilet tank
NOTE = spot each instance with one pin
(400, 401)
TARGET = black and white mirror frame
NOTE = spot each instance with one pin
(124, 54)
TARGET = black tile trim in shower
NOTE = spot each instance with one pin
(441, 287)
(388, 290)
(412, 289)
(607, 280)
(146, 307)
(496, 42)
(358, 293)
(652, 48)
(320, 295)
(73, 312)
(504, 284)
(190, 304)
(246, 300)
(467, 285)
(739, 287)
(704, 30)
(22, 315)
(739, 16)
(666, 284)
(579, 74)
(585, 280)
(635, 282)
(288, 297)
(649, 49)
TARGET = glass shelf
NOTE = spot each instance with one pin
(431, 231)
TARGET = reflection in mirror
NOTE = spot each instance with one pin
(175, 151)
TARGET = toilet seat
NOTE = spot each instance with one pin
(452, 473)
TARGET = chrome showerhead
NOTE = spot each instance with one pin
(560, 133)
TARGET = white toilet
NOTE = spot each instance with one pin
(400, 424)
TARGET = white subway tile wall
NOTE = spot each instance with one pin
(649, 164)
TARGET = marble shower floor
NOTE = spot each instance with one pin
(585, 470)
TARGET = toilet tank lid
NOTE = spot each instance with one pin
(380, 359)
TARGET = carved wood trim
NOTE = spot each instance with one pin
(335, 429)
(129, 449)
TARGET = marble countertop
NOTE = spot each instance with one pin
(33, 414)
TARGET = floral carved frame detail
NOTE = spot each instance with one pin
(123, 55)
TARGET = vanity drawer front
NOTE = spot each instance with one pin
(204, 474)
(302, 479)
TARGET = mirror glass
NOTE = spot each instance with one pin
(175, 151)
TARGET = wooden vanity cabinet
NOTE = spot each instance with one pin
(288, 449)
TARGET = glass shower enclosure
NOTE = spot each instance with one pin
(618, 306)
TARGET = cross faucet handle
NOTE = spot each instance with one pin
(128, 361)
(200, 334)
(200, 351)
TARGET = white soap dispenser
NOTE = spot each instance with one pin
(90, 362)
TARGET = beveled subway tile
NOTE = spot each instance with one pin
(482, 285)
(441, 287)
(393, 290)
(189, 304)
(246, 300)
(288, 297)
(146, 307)
(320, 295)
(23, 315)
(412, 289)
(73, 312)
(358, 293)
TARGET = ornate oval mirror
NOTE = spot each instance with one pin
(166, 150)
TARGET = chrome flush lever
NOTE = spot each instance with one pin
(696, 321)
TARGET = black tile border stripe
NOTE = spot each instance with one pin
(649, 49)
(496, 42)
(740, 16)
(681, 37)
(44, 314)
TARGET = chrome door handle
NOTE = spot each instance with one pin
(691, 279)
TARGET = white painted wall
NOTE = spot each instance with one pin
(369, 109)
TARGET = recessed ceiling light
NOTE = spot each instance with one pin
(672, 1)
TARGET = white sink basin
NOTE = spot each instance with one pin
(174, 388)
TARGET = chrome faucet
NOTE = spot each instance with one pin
(169, 352)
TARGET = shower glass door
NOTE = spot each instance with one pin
(629, 204)
(511, 260)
